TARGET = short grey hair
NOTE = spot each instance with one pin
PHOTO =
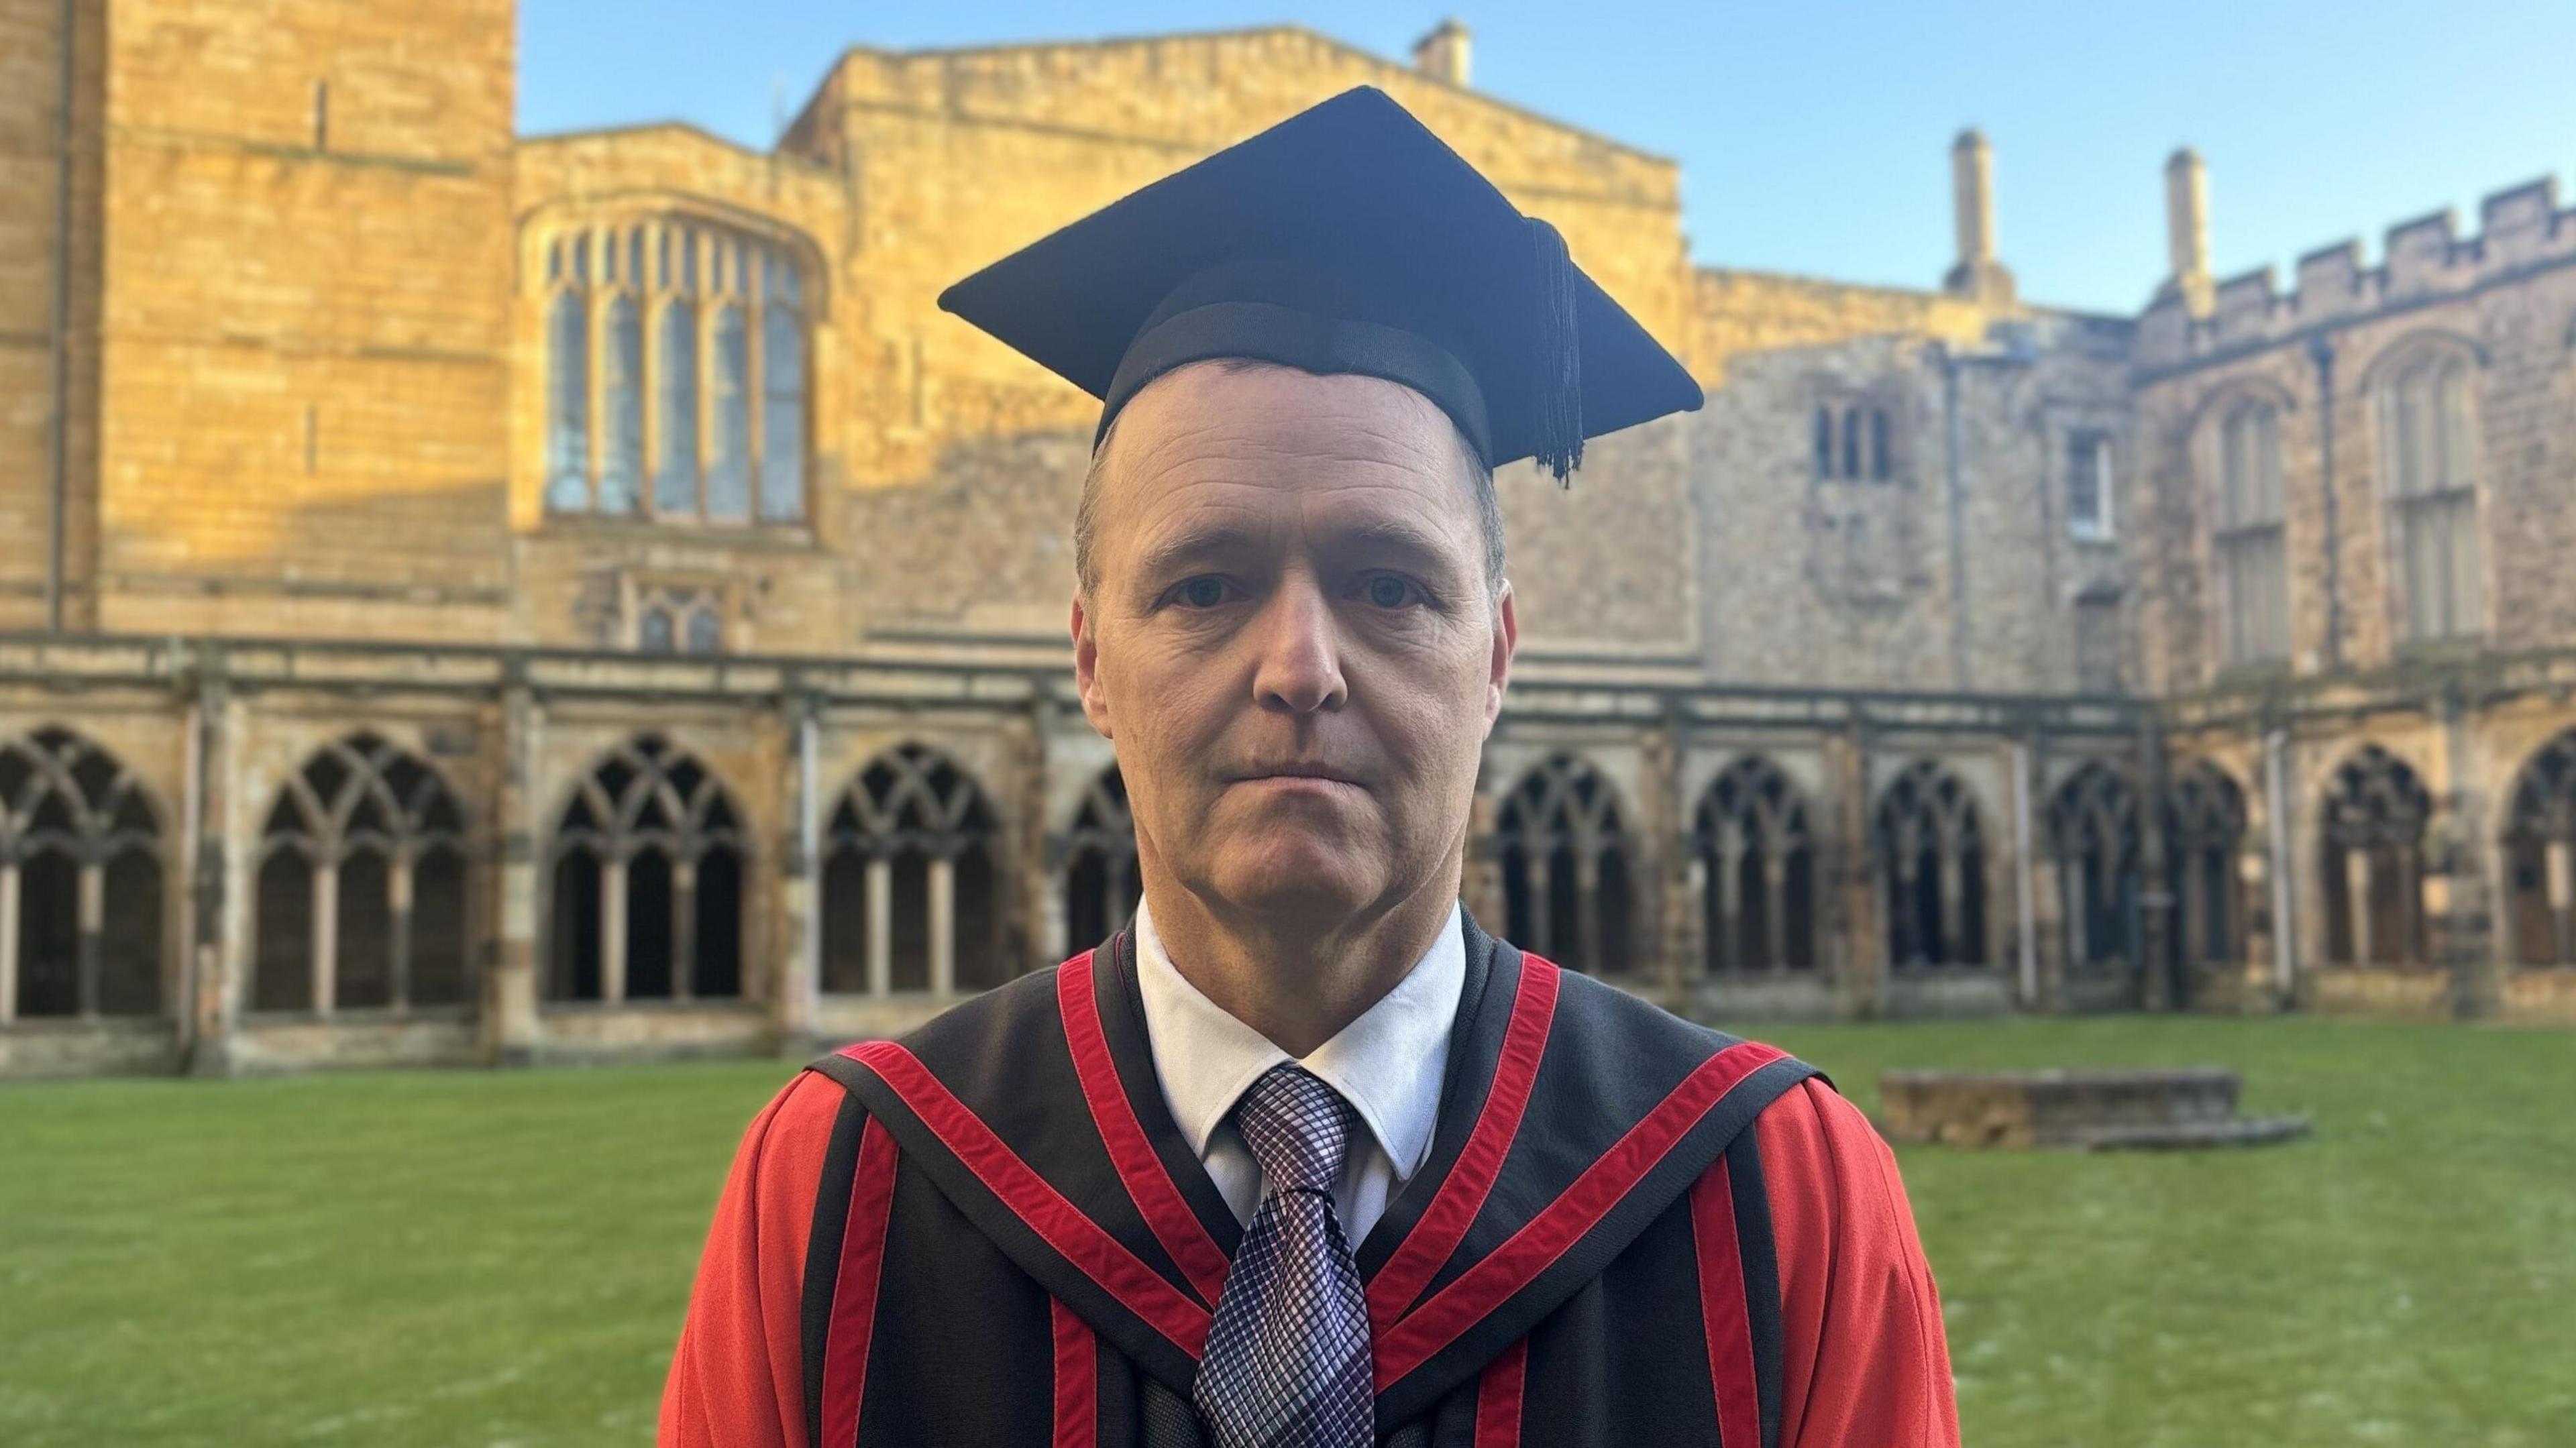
(1086, 516)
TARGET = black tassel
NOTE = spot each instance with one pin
(1560, 360)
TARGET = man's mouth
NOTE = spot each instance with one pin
(1297, 770)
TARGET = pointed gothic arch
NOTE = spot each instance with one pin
(1757, 858)
(360, 902)
(1932, 852)
(2540, 856)
(2371, 849)
(2093, 836)
(80, 883)
(648, 867)
(2204, 829)
(1567, 872)
(912, 880)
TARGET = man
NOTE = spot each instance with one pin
(1304, 1156)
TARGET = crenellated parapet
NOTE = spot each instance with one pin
(2421, 260)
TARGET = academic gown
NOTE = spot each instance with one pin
(1630, 1231)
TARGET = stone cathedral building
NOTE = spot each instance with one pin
(471, 597)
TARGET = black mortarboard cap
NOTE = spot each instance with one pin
(1347, 238)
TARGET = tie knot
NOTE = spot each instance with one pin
(1297, 1128)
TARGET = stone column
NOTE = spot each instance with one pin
(8, 941)
(326, 936)
(2158, 989)
(1587, 906)
(1542, 892)
(2561, 886)
(1662, 814)
(1730, 897)
(943, 924)
(880, 926)
(218, 935)
(510, 1025)
(2356, 892)
(2472, 879)
(1037, 927)
(796, 997)
(1848, 874)
(398, 912)
(684, 928)
(612, 931)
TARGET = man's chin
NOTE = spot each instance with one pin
(1291, 876)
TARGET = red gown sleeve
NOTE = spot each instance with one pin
(1864, 1363)
(738, 1377)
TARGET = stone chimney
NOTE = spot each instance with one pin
(2187, 232)
(1442, 55)
(1978, 276)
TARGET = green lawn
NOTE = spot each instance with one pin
(477, 1259)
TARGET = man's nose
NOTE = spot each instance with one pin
(1300, 663)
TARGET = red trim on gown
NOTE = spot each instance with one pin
(1864, 1363)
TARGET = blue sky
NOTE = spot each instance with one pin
(1813, 136)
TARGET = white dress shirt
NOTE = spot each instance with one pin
(1387, 1064)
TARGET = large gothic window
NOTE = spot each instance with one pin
(1757, 860)
(1101, 884)
(1565, 861)
(911, 881)
(2252, 537)
(2372, 852)
(2204, 827)
(2093, 832)
(1932, 855)
(676, 366)
(361, 886)
(649, 876)
(2540, 856)
(2428, 432)
(80, 883)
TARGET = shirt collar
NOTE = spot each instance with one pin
(1387, 1064)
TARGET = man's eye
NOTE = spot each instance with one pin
(1201, 592)
(1387, 591)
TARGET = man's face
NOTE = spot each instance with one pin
(1291, 577)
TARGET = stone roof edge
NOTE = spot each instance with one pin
(1809, 279)
(690, 129)
(1235, 32)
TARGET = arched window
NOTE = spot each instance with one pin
(1758, 861)
(2204, 833)
(700, 380)
(80, 872)
(1851, 443)
(2540, 856)
(1824, 442)
(1933, 869)
(2428, 432)
(1882, 458)
(2372, 852)
(2093, 832)
(648, 874)
(567, 401)
(911, 880)
(621, 383)
(1101, 885)
(1565, 867)
(2251, 539)
(361, 886)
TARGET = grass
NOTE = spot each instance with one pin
(467, 1258)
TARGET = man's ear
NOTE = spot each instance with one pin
(1086, 669)
(1507, 637)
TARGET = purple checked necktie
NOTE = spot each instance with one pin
(1287, 1360)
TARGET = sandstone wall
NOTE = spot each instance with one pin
(306, 235)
